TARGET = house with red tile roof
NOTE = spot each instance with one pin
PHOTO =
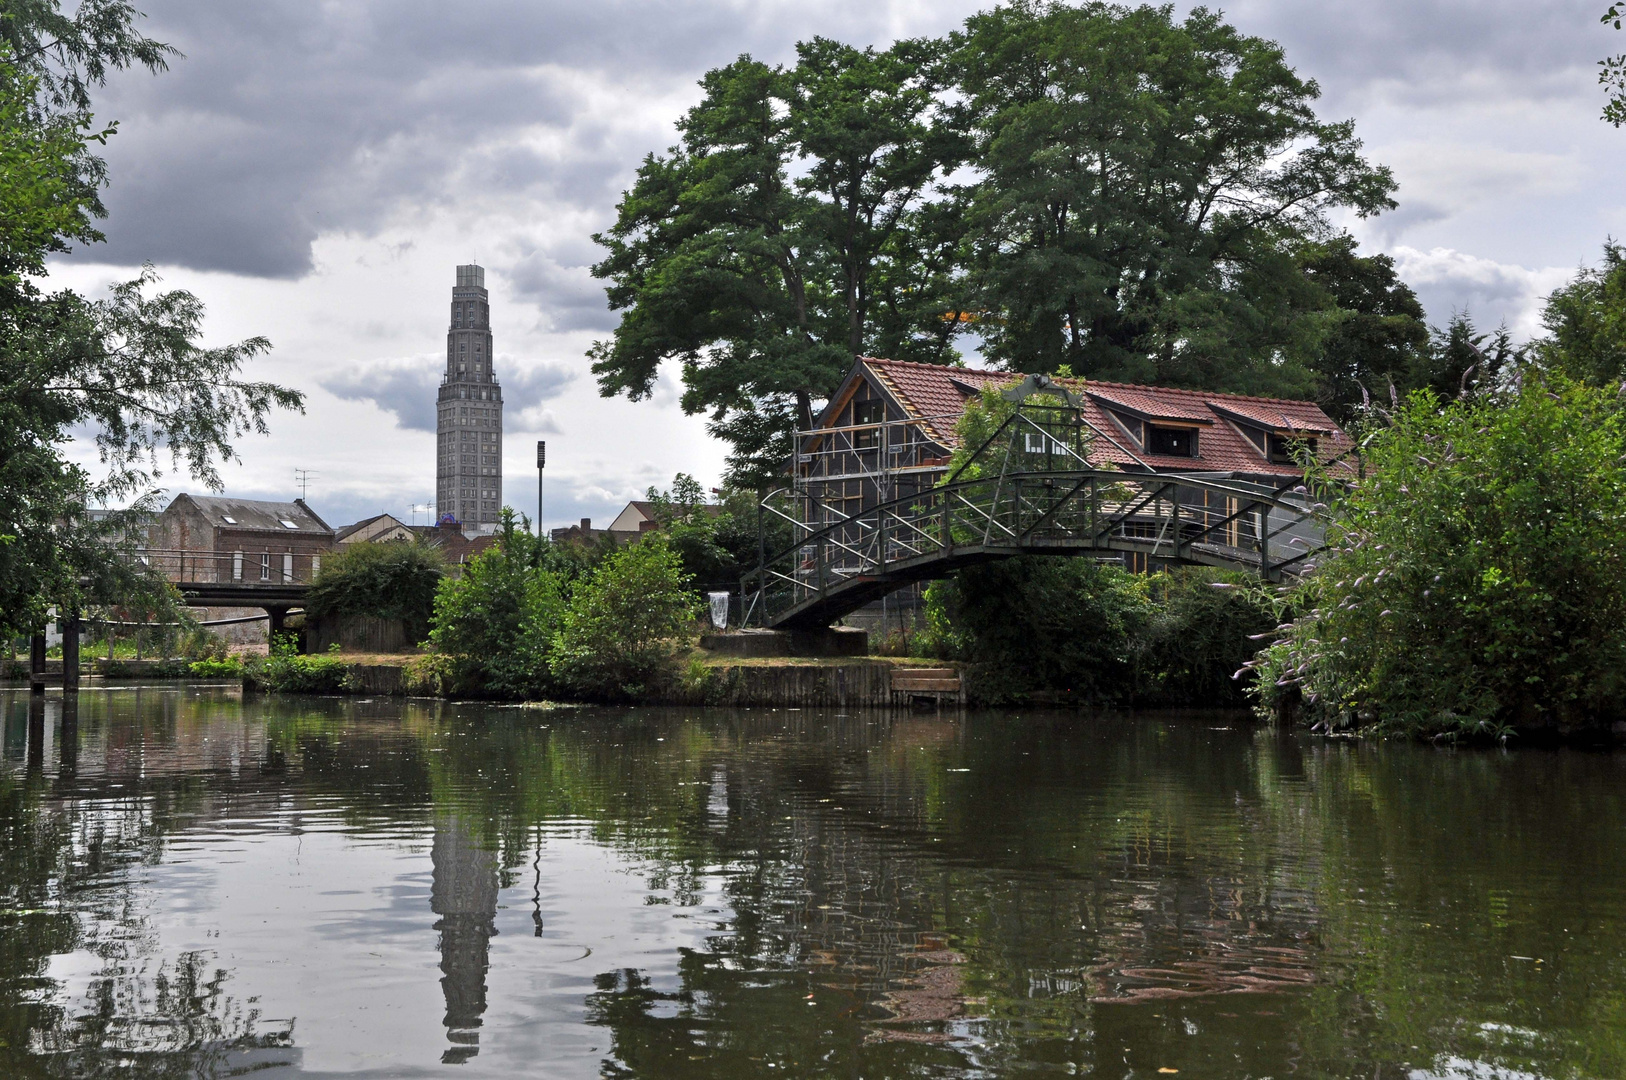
(913, 409)
(890, 428)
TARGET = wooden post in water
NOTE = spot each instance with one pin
(36, 663)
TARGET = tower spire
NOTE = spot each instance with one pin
(468, 420)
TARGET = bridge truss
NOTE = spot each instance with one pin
(1030, 488)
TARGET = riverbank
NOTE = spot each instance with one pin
(704, 679)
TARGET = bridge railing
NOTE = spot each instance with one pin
(1189, 518)
(205, 566)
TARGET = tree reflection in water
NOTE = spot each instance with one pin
(63, 867)
(878, 898)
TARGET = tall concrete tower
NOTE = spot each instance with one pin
(468, 424)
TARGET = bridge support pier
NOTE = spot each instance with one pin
(70, 653)
(279, 615)
(36, 663)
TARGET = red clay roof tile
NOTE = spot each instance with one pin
(930, 391)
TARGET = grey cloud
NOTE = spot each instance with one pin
(288, 119)
(1434, 52)
(525, 387)
(403, 388)
(1449, 281)
(561, 284)
(406, 388)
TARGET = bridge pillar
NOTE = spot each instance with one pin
(279, 615)
(36, 663)
(70, 654)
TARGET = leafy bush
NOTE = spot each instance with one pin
(620, 632)
(1037, 625)
(229, 667)
(716, 544)
(495, 622)
(1203, 625)
(1476, 580)
(285, 671)
(1083, 631)
(389, 580)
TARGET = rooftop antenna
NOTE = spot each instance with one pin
(302, 477)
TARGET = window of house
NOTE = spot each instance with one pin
(316, 566)
(286, 524)
(228, 519)
(1175, 442)
(868, 412)
(237, 566)
(288, 567)
(1285, 449)
(265, 567)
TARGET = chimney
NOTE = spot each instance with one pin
(587, 525)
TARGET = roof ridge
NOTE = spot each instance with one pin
(1088, 382)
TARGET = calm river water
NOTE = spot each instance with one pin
(192, 885)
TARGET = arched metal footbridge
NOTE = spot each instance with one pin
(1029, 489)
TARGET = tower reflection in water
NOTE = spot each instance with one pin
(464, 895)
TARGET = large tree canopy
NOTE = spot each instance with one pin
(125, 373)
(1143, 184)
(1586, 322)
(787, 234)
(1098, 186)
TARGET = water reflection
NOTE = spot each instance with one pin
(194, 885)
(464, 895)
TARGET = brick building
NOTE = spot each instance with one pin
(216, 538)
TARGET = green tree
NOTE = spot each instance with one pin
(1202, 625)
(621, 633)
(782, 238)
(1059, 627)
(1475, 582)
(1612, 73)
(497, 619)
(126, 369)
(1371, 332)
(1586, 322)
(390, 580)
(1142, 186)
(67, 55)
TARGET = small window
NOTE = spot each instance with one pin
(1285, 449)
(286, 524)
(265, 567)
(228, 519)
(237, 566)
(868, 412)
(1174, 442)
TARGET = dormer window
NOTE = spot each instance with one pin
(1285, 449)
(1171, 441)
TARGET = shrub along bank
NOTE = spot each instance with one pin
(515, 624)
(1047, 629)
(1476, 579)
(390, 580)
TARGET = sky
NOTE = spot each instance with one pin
(314, 171)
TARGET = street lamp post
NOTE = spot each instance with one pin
(541, 460)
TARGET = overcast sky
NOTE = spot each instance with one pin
(314, 171)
